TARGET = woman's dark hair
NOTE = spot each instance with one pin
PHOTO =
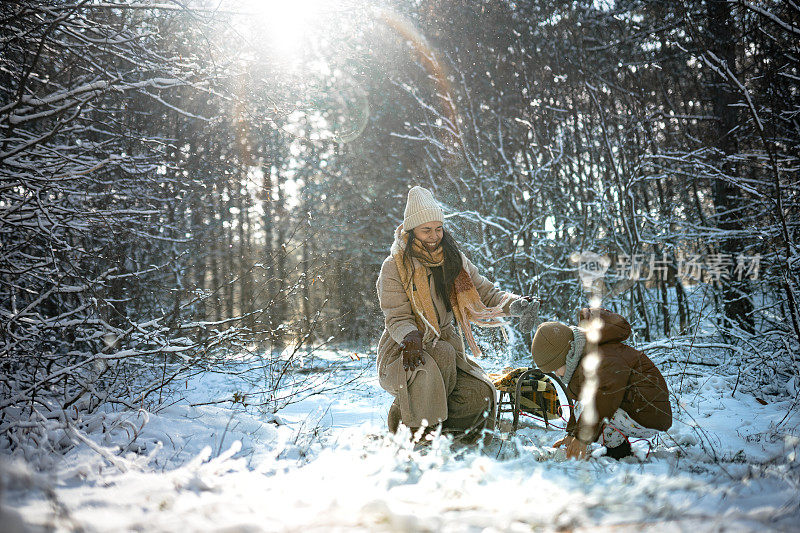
(450, 269)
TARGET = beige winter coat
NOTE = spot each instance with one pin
(428, 399)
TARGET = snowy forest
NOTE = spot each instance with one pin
(197, 196)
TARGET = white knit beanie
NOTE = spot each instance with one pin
(421, 208)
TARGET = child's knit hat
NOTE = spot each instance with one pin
(551, 345)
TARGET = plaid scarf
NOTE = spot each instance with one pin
(464, 298)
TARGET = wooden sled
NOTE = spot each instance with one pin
(531, 392)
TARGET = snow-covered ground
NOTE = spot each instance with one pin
(730, 462)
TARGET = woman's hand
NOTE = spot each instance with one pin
(527, 308)
(411, 348)
(575, 448)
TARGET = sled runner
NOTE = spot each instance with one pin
(535, 394)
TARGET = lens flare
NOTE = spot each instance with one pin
(286, 24)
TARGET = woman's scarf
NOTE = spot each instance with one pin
(464, 298)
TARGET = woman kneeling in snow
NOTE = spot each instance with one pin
(622, 392)
(424, 284)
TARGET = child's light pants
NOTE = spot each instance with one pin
(621, 427)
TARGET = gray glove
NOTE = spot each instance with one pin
(528, 311)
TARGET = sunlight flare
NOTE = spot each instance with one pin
(287, 23)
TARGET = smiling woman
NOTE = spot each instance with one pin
(429, 234)
(425, 287)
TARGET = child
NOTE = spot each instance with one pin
(622, 392)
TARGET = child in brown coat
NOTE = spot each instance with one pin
(621, 391)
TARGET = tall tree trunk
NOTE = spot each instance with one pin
(280, 310)
(306, 301)
(230, 263)
(736, 303)
(245, 285)
(680, 294)
(217, 251)
(268, 225)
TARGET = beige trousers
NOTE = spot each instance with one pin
(469, 399)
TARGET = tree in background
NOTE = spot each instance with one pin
(178, 180)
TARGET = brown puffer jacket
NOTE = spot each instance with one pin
(627, 380)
